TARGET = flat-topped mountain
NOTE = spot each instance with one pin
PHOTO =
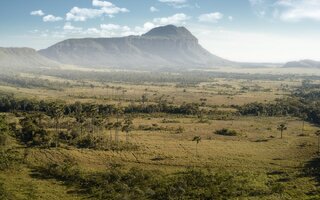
(162, 47)
(303, 64)
(23, 58)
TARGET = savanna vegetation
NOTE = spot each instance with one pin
(178, 135)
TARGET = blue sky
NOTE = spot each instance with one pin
(240, 30)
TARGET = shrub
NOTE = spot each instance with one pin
(226, 132)
(101, 143)
(137, 183)
(9, 159)
(4, 194)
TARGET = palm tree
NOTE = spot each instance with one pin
(119, 111)
(197, 139)
(282, 127)
(79, 116)
(109, 126)
(91, 112)
(127, 127)
(56, 111)
(318, 134)
(117, 125)
(304, 117)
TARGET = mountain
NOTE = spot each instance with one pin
(303, 64)
(23, 58)
(162, 47)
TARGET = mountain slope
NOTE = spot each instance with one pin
(167, 46)
(23, 58)
(303, 64)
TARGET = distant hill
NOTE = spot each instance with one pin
(303, 64)
(23, 58)
(162, 47)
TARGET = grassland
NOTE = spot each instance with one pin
(257, 149)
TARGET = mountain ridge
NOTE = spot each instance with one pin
(306, 63)
(166, 46)
(23, 58)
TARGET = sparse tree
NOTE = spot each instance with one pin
(79, 116)
(318, 134)
(282, 127)
(109, 125)
(304, 117)
(197, 139)
(56, 112)
(127, 127)
(144, 99)
(117, 126)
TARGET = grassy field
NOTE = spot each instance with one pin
(257, 149)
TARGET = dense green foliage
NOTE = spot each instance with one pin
(226, 132)
(304, 103)
(136, 183)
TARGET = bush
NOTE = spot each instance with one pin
(101, 143)
(138, 183)
(226, 132)
(3, 139)
(4, 194)
(9, 159)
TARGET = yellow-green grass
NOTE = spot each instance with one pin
(222, 91)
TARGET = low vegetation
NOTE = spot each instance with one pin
(215, 138)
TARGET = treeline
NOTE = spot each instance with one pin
(8, 103)
(177, 76)
(26, 82)
(303, 103)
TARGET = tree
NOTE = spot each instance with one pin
(197, 139)
(92, 112)
(127, 127)
(56, 112)
(318, 134)
(79, 116)
(4, 130)
(32, 134)
(117, 125)
(109, 125)
(144, 99)
(282, 127)
(119, 111)
(98, 122)
(304, 117)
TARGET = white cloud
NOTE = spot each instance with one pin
(101, 3)
(82, 14)
(69, 27)
(287, 10)
(105, 8)
(230, 18)
(153, 9)
(145, 28)
(51, 18)
(37, 13)
(297, 10)
(114, 27)
(177, 19)
(210, 17)
(175, 3)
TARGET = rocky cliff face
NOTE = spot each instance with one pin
(167, 46)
